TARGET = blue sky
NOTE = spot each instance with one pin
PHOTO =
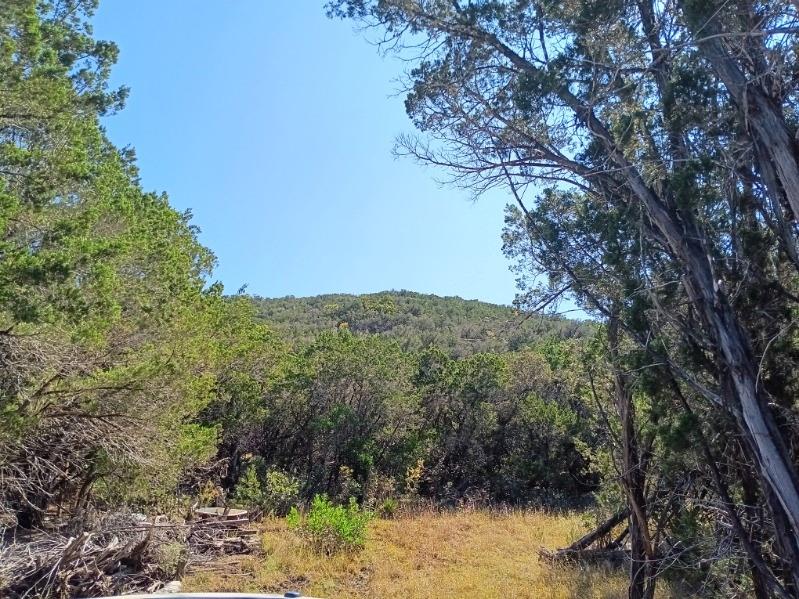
(275, 126)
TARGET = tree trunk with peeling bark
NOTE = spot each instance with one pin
(761, 113)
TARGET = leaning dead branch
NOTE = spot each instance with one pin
(595, 546)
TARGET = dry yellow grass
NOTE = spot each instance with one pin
(458, 554)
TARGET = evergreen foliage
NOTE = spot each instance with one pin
(417, 321)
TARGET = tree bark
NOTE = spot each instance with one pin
(762, 115)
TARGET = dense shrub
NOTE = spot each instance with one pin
(332, 528)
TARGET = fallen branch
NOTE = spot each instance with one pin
(581, 549)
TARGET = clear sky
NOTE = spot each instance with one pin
(275, 126)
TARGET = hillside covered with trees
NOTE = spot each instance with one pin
(458, 326)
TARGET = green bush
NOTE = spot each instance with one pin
(282, 491)
(273, 492)
(249, 492)
(389, 507)
(332, 528)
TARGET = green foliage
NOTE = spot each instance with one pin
(282, 491)
(332, 528)
(361, 414)
(416, 321)
(388, 508)
(112, 338)
(272, 491)
(348, 406)
(380, 304)
(249, 491)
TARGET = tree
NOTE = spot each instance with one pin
(336, 414)
(650, 148)
(104, 302)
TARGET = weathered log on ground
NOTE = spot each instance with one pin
(600, 532)
(611, 556)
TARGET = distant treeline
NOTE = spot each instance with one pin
(398, 393)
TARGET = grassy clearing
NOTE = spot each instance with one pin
(459, 554)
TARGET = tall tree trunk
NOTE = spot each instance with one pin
(763, 579)
(633, 478)
(750, 500)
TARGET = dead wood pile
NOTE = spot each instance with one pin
(123, 553)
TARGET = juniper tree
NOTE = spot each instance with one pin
(650, 148)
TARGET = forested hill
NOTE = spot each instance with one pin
(461, 327)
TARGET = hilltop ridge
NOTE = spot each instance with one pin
(416, 320)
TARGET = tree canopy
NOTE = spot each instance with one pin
(416, 321)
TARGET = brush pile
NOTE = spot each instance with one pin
(122, 553)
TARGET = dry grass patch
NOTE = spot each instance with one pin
(455, 554)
